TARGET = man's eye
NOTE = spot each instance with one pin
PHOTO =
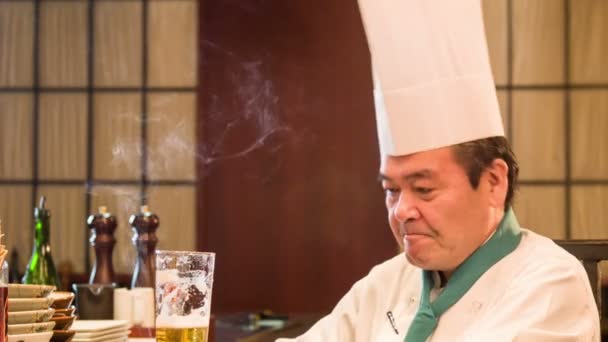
(391, 191)
(424, 191)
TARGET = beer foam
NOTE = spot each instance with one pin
(179, 322)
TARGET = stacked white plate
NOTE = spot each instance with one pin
(100, 330)
(29, 313)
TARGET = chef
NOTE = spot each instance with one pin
(468, 272)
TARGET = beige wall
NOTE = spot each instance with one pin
(95, 137)
(549, 66)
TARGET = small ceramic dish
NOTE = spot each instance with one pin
(29, 291)
(63, 335)
(25, 317)
(40, 337)
(28, 304)
(61, 299)
(65, 312)
(63, 322)
(32, 328)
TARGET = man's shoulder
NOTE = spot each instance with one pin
(538, 271)
(539, 254)
(537, 263)
(534, 244)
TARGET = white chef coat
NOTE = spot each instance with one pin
(538, 293)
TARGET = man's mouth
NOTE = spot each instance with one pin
(414, 236)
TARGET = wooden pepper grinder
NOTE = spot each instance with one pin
(144, 227)
(102, 226)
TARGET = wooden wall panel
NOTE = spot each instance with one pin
(172, 136)
(589, 215)
(16, 212)
(16, 36)
(63, 136)
(175, 207)
(589, 39)
(538, 134)
(117, 136)
(118, 43)
(172, 45)
(541, 209)
(288, 197)
(495, 19)
(63, 43)
(589, 148)
(16, 135)
(538, 42)
(503, 101)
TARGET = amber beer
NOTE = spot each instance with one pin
(177, 334)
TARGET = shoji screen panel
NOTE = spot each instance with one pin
(94, 95)
(555, 105)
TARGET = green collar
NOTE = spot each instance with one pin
(504, 241)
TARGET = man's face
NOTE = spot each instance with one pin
(434, 212)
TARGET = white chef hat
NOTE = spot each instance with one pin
(433, 84)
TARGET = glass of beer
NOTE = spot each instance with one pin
(184, 281)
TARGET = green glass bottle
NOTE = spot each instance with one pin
(41, 269)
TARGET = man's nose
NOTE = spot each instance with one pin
(406, 209)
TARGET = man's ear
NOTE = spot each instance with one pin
(498, 181)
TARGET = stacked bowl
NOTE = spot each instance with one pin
(38, 313)
(63, 317)
(30, 313)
